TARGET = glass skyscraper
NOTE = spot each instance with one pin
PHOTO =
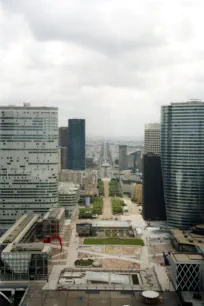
(76, 144)
(182, 160)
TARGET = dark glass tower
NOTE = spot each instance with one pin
(76, 144)
(182, 160)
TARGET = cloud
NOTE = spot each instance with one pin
(112, 62)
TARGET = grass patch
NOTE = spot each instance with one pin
(96, 209)
(119, 241)
(117, 206)
(83, 262)
(114, 188)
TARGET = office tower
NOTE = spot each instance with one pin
(152, 138)
(76, 144)
(182, 159)
(63, 145)
(123, 159)
(29, 161)
(63, 136)
(153, 195)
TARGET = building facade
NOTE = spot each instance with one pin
(153, 194)
(182, 152)
(123, 158)
(76, 144)
(63, 146)
(152, 138)
(29, 161)
(153, 205)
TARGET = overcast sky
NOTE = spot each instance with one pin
(111, 62)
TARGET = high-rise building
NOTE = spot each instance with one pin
(182, 159)
(76, 144)
(63, 136)
(153, 195)
(123, 158)
(63, 146)
(152, 138)
(29, 161)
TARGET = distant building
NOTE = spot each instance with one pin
(123, 159)
(152, 139)
(76, 144)
(63, 146)
(182, 160)
(126, 182)
(76, 177)
(29, 161)
(137, 193)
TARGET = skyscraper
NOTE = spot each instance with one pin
(182, 158)
(76, 144)
(29, 161)
(123, 158)
(153, 195)
(63, 146)
(152, 138)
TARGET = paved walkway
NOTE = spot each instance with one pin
(107, 206)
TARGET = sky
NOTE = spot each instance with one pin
(112, 62)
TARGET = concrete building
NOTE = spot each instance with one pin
(123, 159)
(63, 158)
(77, 177)
(126, 182)
(76, 144)
(152, 138)
(69, 194)
(182, 151)
(29, 161)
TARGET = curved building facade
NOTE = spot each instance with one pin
(182, 160)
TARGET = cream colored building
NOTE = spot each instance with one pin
(136, 192)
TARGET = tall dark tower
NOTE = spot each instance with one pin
(76, 144)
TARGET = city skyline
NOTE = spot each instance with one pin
(110, 63)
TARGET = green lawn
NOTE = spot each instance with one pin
(121, 241)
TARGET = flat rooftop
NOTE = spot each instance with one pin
(54, 213)
(17, 231)
(188, 237)
(187, 257)
(28, 248)
(110, 223)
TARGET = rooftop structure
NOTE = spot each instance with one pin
(53, 221)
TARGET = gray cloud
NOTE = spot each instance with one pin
(113, 62)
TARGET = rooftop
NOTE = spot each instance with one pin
(68, 188)
(187, 257)
(17, 231)
(54, 213)
(188, 237)
(110, 223)
(38, 247)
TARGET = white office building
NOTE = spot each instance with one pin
(29, 161)
(152, 139)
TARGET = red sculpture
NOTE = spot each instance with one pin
(48, 239)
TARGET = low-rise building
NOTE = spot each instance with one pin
(127, 180)
(187, 271)
(27, 261)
